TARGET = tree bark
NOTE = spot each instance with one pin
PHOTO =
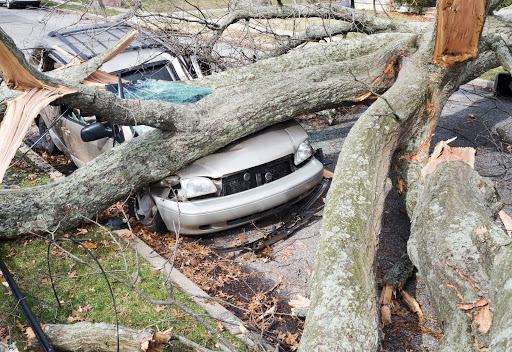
(343, 312)
(398, 127)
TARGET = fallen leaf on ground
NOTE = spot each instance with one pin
(300, 302)
(242, 239)
(90, 245)
(159, 308)
(220, 326)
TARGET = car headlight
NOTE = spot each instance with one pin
(197, 186)
(303, 153)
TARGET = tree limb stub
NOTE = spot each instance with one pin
(459, 25)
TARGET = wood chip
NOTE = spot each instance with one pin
(412, 304)
(385, 304)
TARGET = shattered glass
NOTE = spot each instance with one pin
(151, 89)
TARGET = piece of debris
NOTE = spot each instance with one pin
(443, 152)
(300, 306)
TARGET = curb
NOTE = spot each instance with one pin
(482, 83)
(40, 162)
(233, 324)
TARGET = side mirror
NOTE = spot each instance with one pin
(97, 131)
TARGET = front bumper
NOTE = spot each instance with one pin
(216, 214)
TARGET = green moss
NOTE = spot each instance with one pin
(491, 74)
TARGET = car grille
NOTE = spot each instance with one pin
(257, 176)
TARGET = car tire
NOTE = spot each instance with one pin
(46, 143)
(142, 207)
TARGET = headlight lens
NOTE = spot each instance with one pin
(303, 152)
(197, 186)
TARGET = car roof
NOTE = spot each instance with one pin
(88, 42)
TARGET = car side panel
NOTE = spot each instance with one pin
(78, 149)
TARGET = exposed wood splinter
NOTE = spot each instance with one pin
(459, 25)
(443, 152)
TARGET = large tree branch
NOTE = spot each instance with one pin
(314, 32)
(343, 310)
(326, 82)
(359, 21)
(322, 55)
(245, 109)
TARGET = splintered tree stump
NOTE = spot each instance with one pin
(459, 25)
(393, 283)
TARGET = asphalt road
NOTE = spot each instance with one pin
(26, 26)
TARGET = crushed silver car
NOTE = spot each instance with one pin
(242, 182)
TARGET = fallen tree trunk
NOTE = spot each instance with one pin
(98, 337)
(126, 169)
(343, 313)
(464, 258)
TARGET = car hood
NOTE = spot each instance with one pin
(259, 148)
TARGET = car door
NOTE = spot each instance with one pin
(66, 134)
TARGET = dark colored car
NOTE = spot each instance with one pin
(11, 4)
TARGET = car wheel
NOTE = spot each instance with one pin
(143, 208)
(46, 143)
